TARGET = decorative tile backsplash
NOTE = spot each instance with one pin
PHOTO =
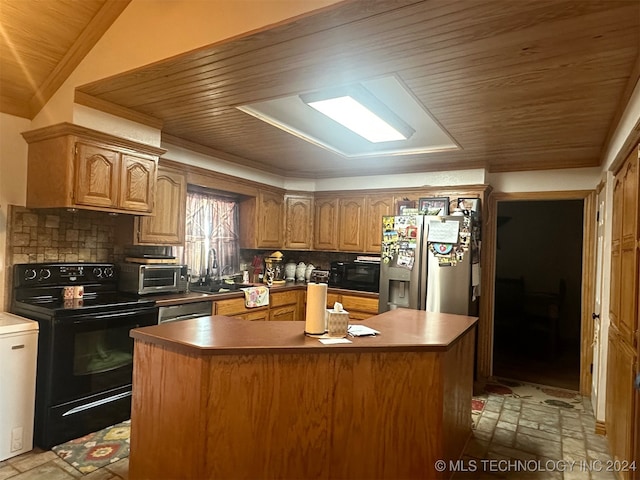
(58, 235)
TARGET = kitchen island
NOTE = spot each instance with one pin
(216, 397)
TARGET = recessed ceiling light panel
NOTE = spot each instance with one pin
(416, 131)
(361, 112)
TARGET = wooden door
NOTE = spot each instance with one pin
(167, 225)
(97, 176)
(376, 206)
(325, 232)
(350, 231)
(298, 222)
(137, 183)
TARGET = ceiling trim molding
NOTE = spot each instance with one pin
(94, 30)
(630, 143)
(90, 101)
(219, 154)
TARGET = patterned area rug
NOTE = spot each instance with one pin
(97, 449)
(555, 397)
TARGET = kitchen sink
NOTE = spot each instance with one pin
(215, 287)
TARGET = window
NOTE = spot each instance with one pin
(211, 232)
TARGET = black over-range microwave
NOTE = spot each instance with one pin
(357, 275)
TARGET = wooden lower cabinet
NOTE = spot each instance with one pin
(282, 306)
(359, 307)
(260, 315)
(287, 313)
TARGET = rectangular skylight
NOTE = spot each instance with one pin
(350, 113)
(355, 108)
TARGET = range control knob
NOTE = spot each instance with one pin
(108, 272)
(97, 272)
(30, 274)
(44, 273)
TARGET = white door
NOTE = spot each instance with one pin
(597, 304)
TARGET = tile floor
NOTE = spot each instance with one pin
(519, 439)
(512, 439)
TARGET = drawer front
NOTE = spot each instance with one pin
(286, 313)
(283, 298)
(234, 306)
(362, 304)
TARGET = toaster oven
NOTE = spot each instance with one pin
(144, 279)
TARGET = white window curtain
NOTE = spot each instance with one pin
(212, 223)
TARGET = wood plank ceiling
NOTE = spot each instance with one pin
(520, 85)
(42, 42)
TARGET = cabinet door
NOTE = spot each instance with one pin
(621, 370)
(166, 226)
(97, 176)
(350, 228)
(616, 236)
(137, 183)
(260, 315)
(298, 222)
(326, 227)
(286, 313)
(376, 207)
(269, 213)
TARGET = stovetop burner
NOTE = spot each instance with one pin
(38, 288)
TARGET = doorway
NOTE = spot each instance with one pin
(538, 288)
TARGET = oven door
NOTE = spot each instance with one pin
(93, 353)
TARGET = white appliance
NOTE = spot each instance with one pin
(427, 263)
(18, 357)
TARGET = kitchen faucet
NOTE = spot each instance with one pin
(212, 262)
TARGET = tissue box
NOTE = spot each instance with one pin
(337, 323)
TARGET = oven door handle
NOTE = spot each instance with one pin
(109, 315)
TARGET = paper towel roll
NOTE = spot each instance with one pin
(316, 305)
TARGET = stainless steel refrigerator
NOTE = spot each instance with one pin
(429, 263)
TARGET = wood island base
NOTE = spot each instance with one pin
(294, 408)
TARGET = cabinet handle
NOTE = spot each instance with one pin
(17, 347)
(595, 315)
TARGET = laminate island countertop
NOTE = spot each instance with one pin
(217, 397)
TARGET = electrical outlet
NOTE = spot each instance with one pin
(16, 439)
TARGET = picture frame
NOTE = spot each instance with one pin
(438, 206)
(402, 204)
(471, 205)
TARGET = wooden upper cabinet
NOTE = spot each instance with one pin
(298, 232)
(75, 167)
(376, 206)
(137, 183)
(270, 220)
(325, 231)
(167, 225)
(626, 285)
(350, 217)
(261, 220)
(629, 179)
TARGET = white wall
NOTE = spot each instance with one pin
(13, 174)
(545, 180)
